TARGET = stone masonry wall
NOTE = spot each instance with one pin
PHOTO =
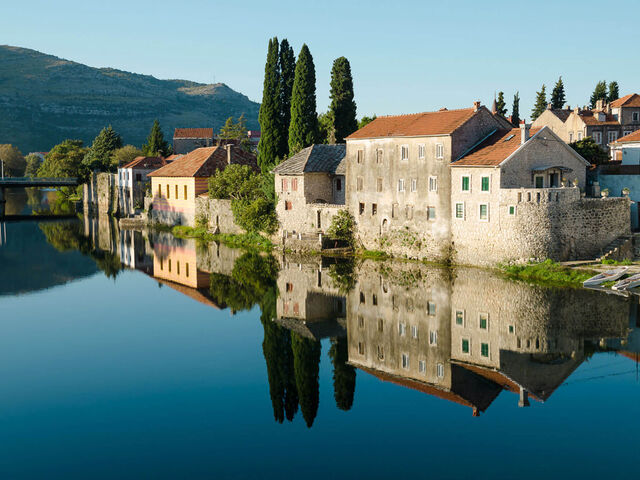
(218, 214)
(101, 194)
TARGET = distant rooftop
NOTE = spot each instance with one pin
(193, 133)
(316, 158)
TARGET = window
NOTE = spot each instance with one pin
(289, 287)
(401, 185)
(178, 268)
(402, 329)
(374, 209)
(380, 325)
(484, 321)
(414, 184)
(512, 329)
(570, 137)
(485, 184)
(360, 322)
(431, 309)
(361, 208)
(465, 345)
(287, 205)
(421, 151)
(361, 348)
(294, 184)
(360, 156)
(359, 184)
(285, 184)
(405, 360)
(440, 370)
(460, 318)
(138, 177)
(362, 299)
(176, 192)
(484, 212)
(612, 137)
(433, 338)
(159, 190)
(169, 265)
(394, 210)
(466, 183)
(414, 331)
(539, 181)
(439, 150)
(484, 349)
(635, 116)
(374, 299)
(422, 366)
(380, 352)
(186, 267)
(579, 135)
(379, 185)
(404, 152)
(627, 132)
(460, 210)
(431, 213)
(597, 137)
(408, 212)
(168, 191)
(379, 155)
(338, 184)
(512, 210)
(433, 184)
(185, 192)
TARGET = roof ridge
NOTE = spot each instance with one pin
(425, 113)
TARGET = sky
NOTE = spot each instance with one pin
(406, 56)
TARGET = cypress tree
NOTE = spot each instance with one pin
(269, 115)
(287, 75)
(515, 110)
(541, 103)
(156, 144)
(501, 106)
(306, 366)
(99, 155)
(599, 93)
(344, 375)
(304, 119)
(614, 93)
(342, 110)
(558, 98)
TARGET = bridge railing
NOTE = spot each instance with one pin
(38, 180)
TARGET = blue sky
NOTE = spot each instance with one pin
(406, 56)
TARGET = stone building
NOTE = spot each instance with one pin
(311, 189)
(133, 181)
(186, 140)
(176, 186)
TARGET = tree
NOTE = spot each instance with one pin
(590, 151)
(156, 145)
(12, 160)
(342, 227)
(501, 106)
(98, 157)
(599, 93)
(269, 115)
(541, 103)
(326, 131)
(344, 375)
(287, 76)
(515, 110)
(614, 92)
(303, 128)
(65, 160)
(364, 121)
(558, 98)
(342, 107)
(33, 162)
(236, 131)
(124, 155)
(306, 366)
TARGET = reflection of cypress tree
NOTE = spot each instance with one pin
(306, 365)
(344, 375)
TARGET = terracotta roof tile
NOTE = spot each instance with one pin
(193, 133)
(146, 163)
(494, 149)
(443, 122)
(632, 137)
(589, 118)
(204, 162)
(631, 100)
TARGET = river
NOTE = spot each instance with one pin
(128, 354)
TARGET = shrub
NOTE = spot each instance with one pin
(342, 227)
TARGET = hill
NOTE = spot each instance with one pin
(46, 99)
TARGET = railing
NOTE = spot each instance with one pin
(38, 181)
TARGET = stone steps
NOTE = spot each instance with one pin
(621, 248)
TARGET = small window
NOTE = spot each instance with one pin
(414, 331)
(439, 150)
(362, 298)
(338, 184)
(485, 184)
(405, 360)
(380, 352)
(597, 137)
(627, 132)
(635, 116)
(374, 209)
(431, 309)
(570, 137)
(512, 329)
(380, 325)
(460, 210)
(401, 185)
(484, 349)
(186, 268)
(394, 210)
(289, 287)
(285, 184)
(460, 318)
(178, 268)
(169, 265)
(612, 137)
(512, 210)
(484, 212)
(168, 193)
(440, 370)
(360, 156)
(402, 329)
(361, 208)
(176, 192)
(374, 299)
(431, 213)
(539, 179)
(404, 152)
(159, 190)
(484, 321)
(379, 155)
(409, 212)
(433, 338)
(361, 348)
(287, 205)
(379, 185)
(421, 151)
(466, 183)
(465, 345)
(294, 184)
(422, 366)
(433, 184)
(186, 196)
(579, 136)
(138, 177)
(359, 184)
(414, 184)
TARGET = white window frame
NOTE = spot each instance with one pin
(635, 116)
(612, 136)
(455, 211)
(579, 136)
(435, 215)
(535, 177)
(488, 355)
(433, 183)
(439, 151)
(627, 132)
(469, 343)
(414, 331)
(481, 179)
(422, 366)
(402, 329)
(480, 212)
(414, 184)
(403, 149)
(485, 315)
(462, 183)
(421, 151)
(433, 338)
(597, 137)
(455, 318)
(440, 370)
(405, 361)
(515, 210)
(401, 187)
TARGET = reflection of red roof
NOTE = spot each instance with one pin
(146, 163)
(192, 293)
(193, 133)
(495, 149)
(631, 100)
(631, 355)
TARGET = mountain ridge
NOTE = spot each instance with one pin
(45, 99)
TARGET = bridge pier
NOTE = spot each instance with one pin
(2, 202)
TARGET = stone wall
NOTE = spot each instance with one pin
(101, 194)
(218, 214)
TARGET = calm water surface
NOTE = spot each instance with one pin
(137, 355)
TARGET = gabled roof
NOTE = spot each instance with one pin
(632, 137)
(173, 157)
(561, 113)
(495, 149)
(146, 163)
(204, 162)
(631, 100)
(442, 122)
(315, 159)
(193, 133)
(589, 118)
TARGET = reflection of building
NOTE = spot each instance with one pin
(135, 251)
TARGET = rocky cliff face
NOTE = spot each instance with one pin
(45, 99)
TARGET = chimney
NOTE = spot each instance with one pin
(600, 105)
(548, 106)
(228, 147)
(524, 398)
(476, 105)
(524, 132)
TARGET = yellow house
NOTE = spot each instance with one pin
(176, 186)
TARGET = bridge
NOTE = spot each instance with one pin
(24, 182)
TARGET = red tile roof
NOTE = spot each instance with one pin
(495, 149)
(589, 118)
(631, 100)
(146, 163)
(443, 122)
(204, 162)
(632, 137)
(193, 133)
(173, 157)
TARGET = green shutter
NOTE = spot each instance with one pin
(465, 184)
(485, 184)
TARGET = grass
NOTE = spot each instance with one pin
(252, 241)
(548, 273)
(200, 233)
(373, 254)
(609, 261)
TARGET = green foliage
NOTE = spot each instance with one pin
(65, 160)
(326, 130)
(599, 93)
(236, 131)
(287, 76)
(342, 108)
(373, 254)
(156, 145)
(199, 232)
(306, 366)
(610, 261)
(614, 91)
(123, 155)
(270, 111)
(342, 227)
(558, 97)
(515, 110)
(344, 375)
(590, 150)
(343, 275)
(247, 241)
(33, 162)
(501, 106)
(303, 129)
(12, 160)
(541, 103)
(548, 273)
(98, 158)
(364, 121)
